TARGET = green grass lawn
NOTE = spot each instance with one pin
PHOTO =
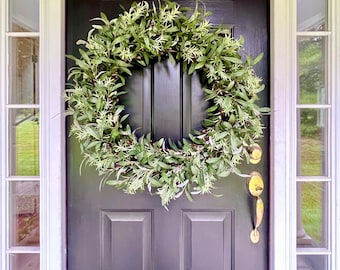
(27, 164)
(27, 148)
(312, 192)
(312, 196)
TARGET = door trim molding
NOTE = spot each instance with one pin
(281, 78)
(335, 8)
(53, 136)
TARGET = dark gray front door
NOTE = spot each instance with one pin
(110, 230)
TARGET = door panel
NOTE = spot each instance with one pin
(111, 230)
(164, 101)
(126, 232)
(197, 244)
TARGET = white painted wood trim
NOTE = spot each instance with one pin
(281, 188)
(2, 135)
(336, 75)
(53, 169)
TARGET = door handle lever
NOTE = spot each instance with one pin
(255, 188)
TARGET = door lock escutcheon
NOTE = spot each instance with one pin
(255, 187)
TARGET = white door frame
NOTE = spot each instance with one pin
(280, 130)
(53, 212)
(53, 136)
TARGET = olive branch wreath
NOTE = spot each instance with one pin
(146, 34)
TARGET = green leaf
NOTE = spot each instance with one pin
(199, 65)
(123, 118)
(92, 132)
(194, 139)
(146, 58)
(265, 110)
(224, 173)
(191, 69)
(231, 85)
(188, 194)
(172, 59)
(221, 135)
(233, 60)
(126, 70)
(258, 59)
(212, 160)
(164, 165)
(213, 108)
(208, 123)
(172, 145)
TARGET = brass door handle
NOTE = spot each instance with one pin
(255, 188)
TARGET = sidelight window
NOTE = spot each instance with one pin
(314, 155)
(20, 135)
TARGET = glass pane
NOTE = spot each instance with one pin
(312, 262)
(24, 142)
(312, 143)
(312, 70)
(312, 219)
(24, 213)
(24, 70)
(311, 15)
(24, 261)
(24, 16)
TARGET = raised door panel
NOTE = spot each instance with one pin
(126, 240)
(207, 240)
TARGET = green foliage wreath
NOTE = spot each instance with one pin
(142, 35)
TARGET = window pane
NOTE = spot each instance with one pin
(24, 213)
(24, 16)
(24, 53)
(312, 142)
(24, 261)
(312, 203)
(24, 142)
(312, 262)
(311, 15)
(312, 70)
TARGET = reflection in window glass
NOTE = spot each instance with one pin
(312, 142)
(311, 15)
(24, 142)
(24, 213)
(312, 262)
(313, 199)
(24, 70)
(27, 261)
(312, 70)
(24, 16)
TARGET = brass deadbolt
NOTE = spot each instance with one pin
(255, 153)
